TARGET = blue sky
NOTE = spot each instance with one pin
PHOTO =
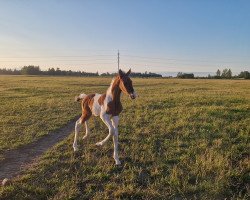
(152, 35)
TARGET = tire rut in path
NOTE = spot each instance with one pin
(14, 160)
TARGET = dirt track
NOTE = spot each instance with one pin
(14, 160)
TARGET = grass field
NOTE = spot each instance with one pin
(180, 139)
(33, 106)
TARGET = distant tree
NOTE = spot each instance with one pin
(69, 73)
(16, 72)
(185, 75)
(229, 74)
(58, 71)
(31, 70)
(3, 71)
(218, 73)
(106, 74)
(224, 73)
(51, 71)
(179, 74)
(244, 74)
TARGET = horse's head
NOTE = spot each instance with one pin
(126, 84)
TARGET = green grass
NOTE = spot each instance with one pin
(34, 106)
(179, 139)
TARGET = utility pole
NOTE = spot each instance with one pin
(118, 59)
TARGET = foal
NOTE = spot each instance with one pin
(108, 106)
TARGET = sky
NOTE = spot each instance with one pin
(151, 35)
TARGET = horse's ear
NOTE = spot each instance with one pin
(121, 73)
(129, 71)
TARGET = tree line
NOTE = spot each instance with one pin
(224, 74)
(136, 74)
(35, 70)
(185, 75)
(227, 74)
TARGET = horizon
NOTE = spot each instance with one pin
(163, 73)
(160, 36)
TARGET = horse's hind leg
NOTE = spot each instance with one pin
(81, 120)
(77, 129)
(87, 130)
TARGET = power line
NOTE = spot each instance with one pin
(174, 59)
(125, 55)
(141, 60)
(60, 56)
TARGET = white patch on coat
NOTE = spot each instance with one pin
(82, 96)
(96, 108)
(109, 96)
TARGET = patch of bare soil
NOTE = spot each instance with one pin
(15, 160)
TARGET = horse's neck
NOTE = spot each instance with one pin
(114, 91)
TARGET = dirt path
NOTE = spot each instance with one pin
(14, 160)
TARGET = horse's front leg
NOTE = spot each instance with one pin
(115, 122)
(106, 119)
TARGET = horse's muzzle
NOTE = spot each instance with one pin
(133, 95)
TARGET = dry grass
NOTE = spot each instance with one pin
(179, 139)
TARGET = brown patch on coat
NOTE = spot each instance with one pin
(87, 104)
(114, 107)
(101, 99)
(91, 102)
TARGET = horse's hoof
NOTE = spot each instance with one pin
(99, 144)
(117, 162)
(84, 137)
(75, 148)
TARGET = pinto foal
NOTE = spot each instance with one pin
(108, 106)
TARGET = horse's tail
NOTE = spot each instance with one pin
(80, 97)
